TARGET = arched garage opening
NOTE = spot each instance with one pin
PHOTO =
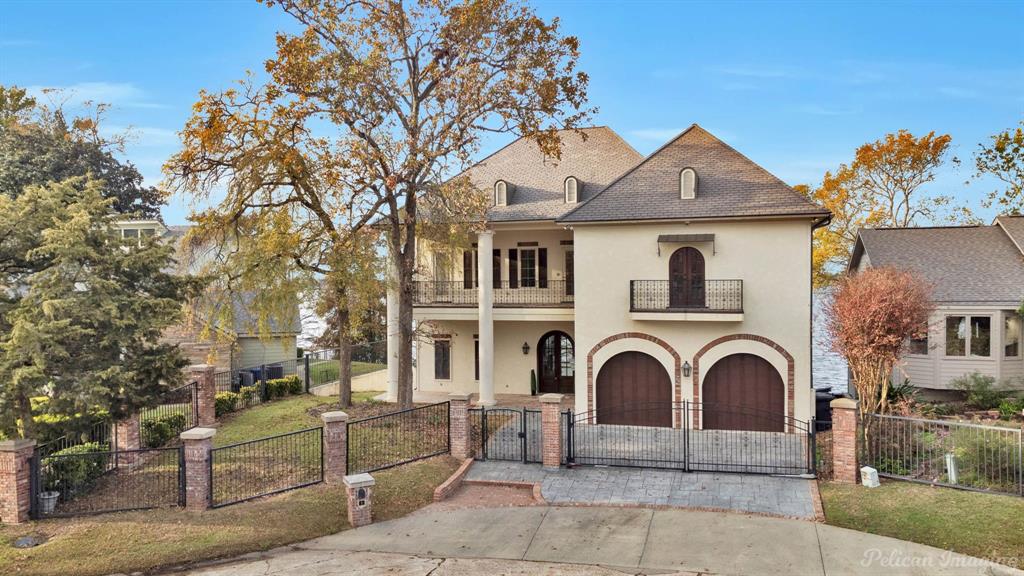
(744, 392)
(634, 389)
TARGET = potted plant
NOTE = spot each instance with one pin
(533, 382)
(48, 500)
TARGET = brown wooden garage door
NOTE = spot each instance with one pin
(744, 392)
(634, 389)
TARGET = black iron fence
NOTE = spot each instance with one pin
(953, 454)
(506, 434)
(178, 411)
(664, 435)
(397, 438)
(256, 468)
(94, 480)
(548, 293)
(322, 367)
(667, 296)
(102, 432)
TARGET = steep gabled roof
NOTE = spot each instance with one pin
(728, 185)
(964, 264)
(536, 183)
(1014, 228)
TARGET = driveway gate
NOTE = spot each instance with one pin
(506, 434)
(772, 444)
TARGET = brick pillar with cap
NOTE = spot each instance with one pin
(128, 437)
(198, 443)
(359, 492)
(16, 480)
(461, 432)
(551, 430)
(844, 440)
(335, 446)
(206, 393)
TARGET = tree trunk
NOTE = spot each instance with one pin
(344, 351)
(25, 414)
(405, 333)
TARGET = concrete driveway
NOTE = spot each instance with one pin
(561, 540)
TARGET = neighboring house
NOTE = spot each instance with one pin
(977, 279)
(831, 373)
(234, 347)
(683, 276)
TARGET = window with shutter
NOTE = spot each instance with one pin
(513, 268)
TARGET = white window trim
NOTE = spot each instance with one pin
(967, 341)
(682, 184)
(536, 266)
(501, 193)
(1020, 336)
(576, 191)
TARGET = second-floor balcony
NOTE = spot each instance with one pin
(686, 296)
(461, 294)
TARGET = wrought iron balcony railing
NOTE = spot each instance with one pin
(725, 296)
(553, 294)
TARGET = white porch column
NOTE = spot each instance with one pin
(485, 280)
(393, 332)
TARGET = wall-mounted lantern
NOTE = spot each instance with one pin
(526, 348)
(686, 369)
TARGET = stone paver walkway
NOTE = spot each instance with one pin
(777, 496)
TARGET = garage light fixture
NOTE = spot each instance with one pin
(686, 369)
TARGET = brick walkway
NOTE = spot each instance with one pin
(777, 496)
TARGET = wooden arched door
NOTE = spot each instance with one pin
(744, 392)
(634, 389)
(686, 278)
(556, 364)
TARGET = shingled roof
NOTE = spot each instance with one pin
(536, 183)
(964, 264)
(728, 184)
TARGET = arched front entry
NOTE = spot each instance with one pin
(633, 388)
(686, 278)
(556, 364)
(744, 392)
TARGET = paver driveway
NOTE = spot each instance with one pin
(777, 496)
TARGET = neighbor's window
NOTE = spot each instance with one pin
(919, 345)
(956, 335)
(981, 335)
(130, 233)
(1011, 335)
(442, 359)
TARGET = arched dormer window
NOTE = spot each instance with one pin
(688, 184)
(572, 188)
(501, 193)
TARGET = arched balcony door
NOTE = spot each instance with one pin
(686, 278)
(556, 364)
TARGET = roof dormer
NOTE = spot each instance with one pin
(572, 187)
(688, 184)
(501, 193)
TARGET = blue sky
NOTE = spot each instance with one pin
(796, 86)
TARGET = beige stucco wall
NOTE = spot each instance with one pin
(771, 257)
(376, 381)
(936, 370)
(511, 366)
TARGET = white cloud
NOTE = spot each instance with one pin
(120, 94)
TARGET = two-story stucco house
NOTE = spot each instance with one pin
(977, 279)
(683, 276)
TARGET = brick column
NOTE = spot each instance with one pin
(461, 432)
(551, 430)
(15, 480)
(207, 392)
(844, 440)
(198, 442)
(128, 436)
(359, 491)
(335, 446)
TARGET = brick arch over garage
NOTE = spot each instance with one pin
(790, 371)
(677, 381)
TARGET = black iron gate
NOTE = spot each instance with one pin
(772, 443)
(77, 482)
(506, 434)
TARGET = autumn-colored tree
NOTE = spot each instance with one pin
(368, 110)
(881, 187)
(1003, 158)
(870, 319)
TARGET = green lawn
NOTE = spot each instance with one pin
(982, 525)
(141, 541)
(326, 371)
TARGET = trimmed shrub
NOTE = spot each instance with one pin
(279, 387)
(1010, 407)
(77, 473)
(159, 431)
(248, 394)
(225, 402)
(294, 385)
